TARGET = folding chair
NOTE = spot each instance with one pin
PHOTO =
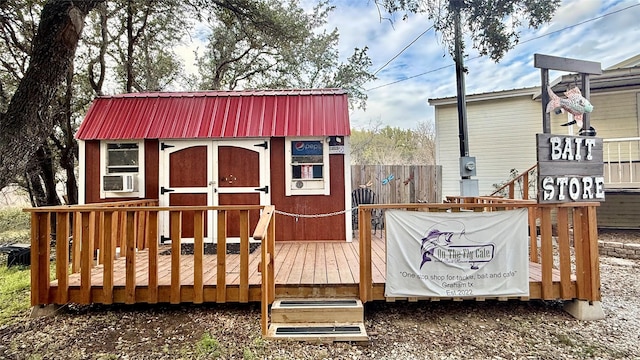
(366, 196)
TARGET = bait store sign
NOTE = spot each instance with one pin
(570, 168)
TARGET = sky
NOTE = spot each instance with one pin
(603, 31)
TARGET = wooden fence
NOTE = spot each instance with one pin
(398, 184)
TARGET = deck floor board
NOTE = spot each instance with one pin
(295, 263)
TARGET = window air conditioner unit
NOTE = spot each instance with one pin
(119, 183)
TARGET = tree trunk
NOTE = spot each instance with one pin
(41, 178)
(68, 147)
(23, 127)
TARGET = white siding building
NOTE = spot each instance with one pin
(502, 125)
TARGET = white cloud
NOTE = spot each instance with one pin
(607, 39)
(429, 68)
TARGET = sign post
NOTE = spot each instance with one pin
(570, 168)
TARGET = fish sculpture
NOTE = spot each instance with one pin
(575, 104)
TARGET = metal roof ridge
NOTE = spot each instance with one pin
(220, 93)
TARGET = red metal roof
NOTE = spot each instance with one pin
(217, 114)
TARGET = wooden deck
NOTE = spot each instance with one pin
(563, 264)
(302, 269)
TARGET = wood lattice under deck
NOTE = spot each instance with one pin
(302, 269)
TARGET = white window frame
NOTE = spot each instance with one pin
(140, 193)
(309, 186)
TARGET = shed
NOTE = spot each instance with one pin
(288, 148)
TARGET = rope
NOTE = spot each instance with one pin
(315, 215)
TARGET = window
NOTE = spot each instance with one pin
(122, 158)
(307, 167)
(122, 169)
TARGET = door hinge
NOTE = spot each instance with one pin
(263, 189)
(164, 146)
(164, 190)
(265, 145)
(164, 239)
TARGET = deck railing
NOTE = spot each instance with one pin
(525, 182)
(621, 158)
(266, 233)
(568, 247)
(89, 236)
(622, 162)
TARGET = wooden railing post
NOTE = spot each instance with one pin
(594, 255)
(152, 240)
(221, 255)
(265, 296)
(243, 296)
(109, 256)
(271, 247)
(587, 257)
(130, 246)
(364, 234)
(175, 219)
(100, 245)
(533, 234)
(564, 252)
(86, 254)
(265, 233)
(198, 255)
(141, 221)
(76, 242)
(62, 256)
(40, 253)
(546, 249)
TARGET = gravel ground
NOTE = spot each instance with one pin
(401, 330)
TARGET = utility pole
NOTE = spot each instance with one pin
(468, 186)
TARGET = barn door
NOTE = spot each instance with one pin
(211, 173)
(185, 181)
(241, 178)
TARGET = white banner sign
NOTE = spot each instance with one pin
(464, 254)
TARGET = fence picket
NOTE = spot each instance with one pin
(398, 184)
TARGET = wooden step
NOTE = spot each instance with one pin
(291, 311)
(318, 332)
(324, 320)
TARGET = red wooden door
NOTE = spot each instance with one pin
(240, 178)
(209, 173)
(188, 181)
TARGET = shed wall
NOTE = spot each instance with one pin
(92, 172)
(316, 228)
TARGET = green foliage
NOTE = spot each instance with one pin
(14, 293)
(19, 23)
(107, 357)
(137, 51)
(286, 49)
(207, 347)
(13, 220)
(564, 339)
(393, 146)
(14, 281)
(492, 25)
(247, 354)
